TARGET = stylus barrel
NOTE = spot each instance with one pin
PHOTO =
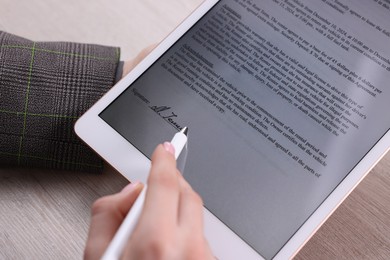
(115, 248)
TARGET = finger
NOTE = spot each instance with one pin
(130, 64)
(162, 197)
(191, 223)
(190, 208)
(144, 53)
(107, 215)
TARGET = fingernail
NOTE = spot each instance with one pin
(130, 186)
(169, 148)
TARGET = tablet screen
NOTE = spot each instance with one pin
(282, 100)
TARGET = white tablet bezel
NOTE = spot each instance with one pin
(125, 158)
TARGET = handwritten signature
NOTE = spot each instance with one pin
(166, 113)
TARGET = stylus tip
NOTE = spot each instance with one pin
(184, 130)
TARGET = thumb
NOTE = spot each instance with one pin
(108, 214)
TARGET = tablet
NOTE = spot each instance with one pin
(287, 107)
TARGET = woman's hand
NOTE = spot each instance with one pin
(108, 214)
(170, 225)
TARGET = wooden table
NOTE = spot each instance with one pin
(45, 214)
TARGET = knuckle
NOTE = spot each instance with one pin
(189, 193)
(158, 248)
(101, 205)
(193, 196)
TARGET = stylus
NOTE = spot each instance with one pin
(115, 248)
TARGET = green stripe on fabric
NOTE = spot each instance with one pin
(26, 100)
(61, 53)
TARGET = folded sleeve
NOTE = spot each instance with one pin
(44, 88)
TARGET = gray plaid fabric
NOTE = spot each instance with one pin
(44, 88)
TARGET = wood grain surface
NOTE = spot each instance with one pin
(45, 214)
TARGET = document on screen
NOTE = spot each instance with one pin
(282, 99)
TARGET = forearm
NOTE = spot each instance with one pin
(44, 88)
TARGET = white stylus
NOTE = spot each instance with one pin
(115, 248)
